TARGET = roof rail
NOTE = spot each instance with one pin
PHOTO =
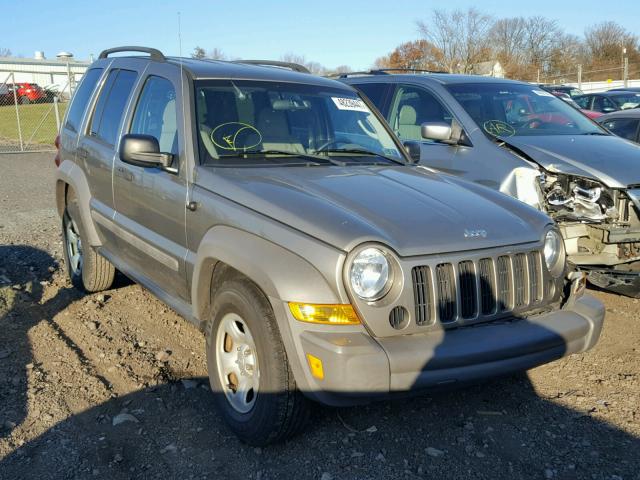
(153, 53)
(275, 63)
(385, 71)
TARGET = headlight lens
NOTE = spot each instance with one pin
(554, 252)
(370, 274)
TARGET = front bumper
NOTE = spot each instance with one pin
(623, 282)
(359, 368)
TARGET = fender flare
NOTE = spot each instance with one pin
(69, 175)
(280, 273)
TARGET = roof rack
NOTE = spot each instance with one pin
(385, 71)
(154, 54)
(274, 63)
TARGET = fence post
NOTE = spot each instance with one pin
(580, 76)
(625, 72)
(15, 102)
(55, 109)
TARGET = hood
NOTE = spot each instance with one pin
(412, 210)
(606, 158)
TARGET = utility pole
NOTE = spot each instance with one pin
(580, 76)
(625, 72)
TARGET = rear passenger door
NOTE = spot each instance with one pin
(150, 203)
(97, 145)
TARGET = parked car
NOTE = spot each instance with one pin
(607, 102)
(565, 89)
(6, 95)
(589, 113)
(624, 124)
(29, 92)
(525, 142)
(625, 89)
(277, 211)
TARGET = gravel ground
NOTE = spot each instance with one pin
(114, 386)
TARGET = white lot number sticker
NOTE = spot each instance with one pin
(542, 93)
(350, 104)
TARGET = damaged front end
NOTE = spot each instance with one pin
(601, 228)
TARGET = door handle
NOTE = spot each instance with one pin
(124, 173)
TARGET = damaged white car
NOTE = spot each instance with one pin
(525, 142)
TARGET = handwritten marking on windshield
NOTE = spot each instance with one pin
(498, 128)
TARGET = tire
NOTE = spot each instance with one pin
(86, 269)
(275, 410)
(25, 101)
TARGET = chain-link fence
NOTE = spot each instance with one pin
(600, 79)
(33, 99)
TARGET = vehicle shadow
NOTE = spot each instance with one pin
(26, 271)
(498, 429)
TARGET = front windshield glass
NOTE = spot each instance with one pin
(511, 110)
(625, 101)
(251, 123)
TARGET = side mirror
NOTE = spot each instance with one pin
(143, 151)
(436, 131)
(413, 149)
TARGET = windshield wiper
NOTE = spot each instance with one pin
(314, 159)
(360, 151)
(596, 133)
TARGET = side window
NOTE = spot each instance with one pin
(609, 105)
(583, 102)
(413, 106)
(110, 106)
(623, 127)
(81, 98)
(155, 114)
(375, 92)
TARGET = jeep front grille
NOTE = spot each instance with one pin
(478, 289)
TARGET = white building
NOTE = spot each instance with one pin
(61, 73)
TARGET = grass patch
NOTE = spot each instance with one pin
(38, 122)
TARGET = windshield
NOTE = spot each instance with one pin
(251, 123)
(509, 110)
(630, 100)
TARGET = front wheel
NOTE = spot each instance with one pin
(249, 373)
(87, 270)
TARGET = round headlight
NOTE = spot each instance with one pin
(370, 274)
(554, 252)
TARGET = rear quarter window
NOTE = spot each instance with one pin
(81, 98)
(111, 104)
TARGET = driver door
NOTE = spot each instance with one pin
(410, 107)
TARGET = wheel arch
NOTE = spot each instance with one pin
(70, 176)
(279, 273)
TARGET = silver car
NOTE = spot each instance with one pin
(276, 211)
(523, 141)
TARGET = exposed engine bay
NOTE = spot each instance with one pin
(579, 199)
(601, 228)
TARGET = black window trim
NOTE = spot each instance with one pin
(79, 129)
(89, 121)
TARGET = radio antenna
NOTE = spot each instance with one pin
(185, 159)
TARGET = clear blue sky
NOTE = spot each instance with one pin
(330, 32)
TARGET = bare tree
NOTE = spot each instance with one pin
(313, 67)
(217, 54)
(460, 37)
(605, 42)
(5, 52)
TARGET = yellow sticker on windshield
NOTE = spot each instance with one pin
(498, 128)
(235, 136)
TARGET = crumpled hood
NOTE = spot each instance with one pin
(410, 209)
(607, 158)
